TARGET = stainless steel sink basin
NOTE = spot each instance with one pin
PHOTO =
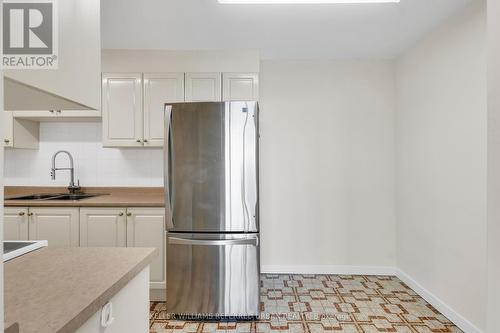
(39, 196)
(77, 196)
(55, 196)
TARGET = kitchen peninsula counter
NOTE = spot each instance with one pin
(60, 289)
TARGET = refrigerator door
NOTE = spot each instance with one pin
(213, 275)
(211, 167)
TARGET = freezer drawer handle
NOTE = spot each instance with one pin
(214, 242)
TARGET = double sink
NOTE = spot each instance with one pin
(55, 196)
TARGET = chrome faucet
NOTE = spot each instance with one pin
(72, 188)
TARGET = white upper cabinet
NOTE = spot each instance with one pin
(19, 133)
(103, 227)
(240, 86)
(159, 88)
(8, 127)
(203, 87)
(75, 84)
(133, 103)
(122, 110)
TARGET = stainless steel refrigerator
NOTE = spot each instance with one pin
(211, 194)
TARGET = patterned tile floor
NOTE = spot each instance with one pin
(325, 303)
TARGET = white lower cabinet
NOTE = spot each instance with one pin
(59, 226)
(103, 227)
(146, 228)
(93, 227)
(130, 227)
(127, 311)
(15, 223)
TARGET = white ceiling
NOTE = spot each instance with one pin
(278, 31)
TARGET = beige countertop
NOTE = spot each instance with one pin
(59, 289)
(114, 197)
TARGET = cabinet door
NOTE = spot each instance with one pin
(8, 126)
(159, 88)
(122, 110)
(59, 226)
(19, 133)
(146, 228)
(240, 86)
(15, 224)
(103, 227)
(203, 87)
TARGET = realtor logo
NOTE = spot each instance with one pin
(29, 34)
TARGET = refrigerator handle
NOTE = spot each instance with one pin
(167, 145)
(214, 242)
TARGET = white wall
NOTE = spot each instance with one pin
(493, 165)
(1, 188)
(441, 164)
(327, 143)
(95, 165)
(327, 165)
(229, 60)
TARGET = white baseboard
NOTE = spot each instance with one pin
(328, 269)
(441, 306)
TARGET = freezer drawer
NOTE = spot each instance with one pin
(213, 275)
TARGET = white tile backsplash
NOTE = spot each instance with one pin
(94, 165)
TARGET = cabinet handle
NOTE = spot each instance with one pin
(6, 140)
(129, 214)
(145, 141)
(30, 214)
(138, 141)
(51, 111)
(58, 111)
(21, 213)
(120, 214)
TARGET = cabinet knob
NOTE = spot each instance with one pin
(6, 140)
(51, 111)
(30, 214)
(120, 214)
(21, 213)
(145, 140)
(138, 140)
(129, 214)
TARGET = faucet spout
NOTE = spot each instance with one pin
(72, 187)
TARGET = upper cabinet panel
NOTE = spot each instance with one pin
(240, 86)
(159, 88)
(76, 82)
(122, 110)
(203, 87)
